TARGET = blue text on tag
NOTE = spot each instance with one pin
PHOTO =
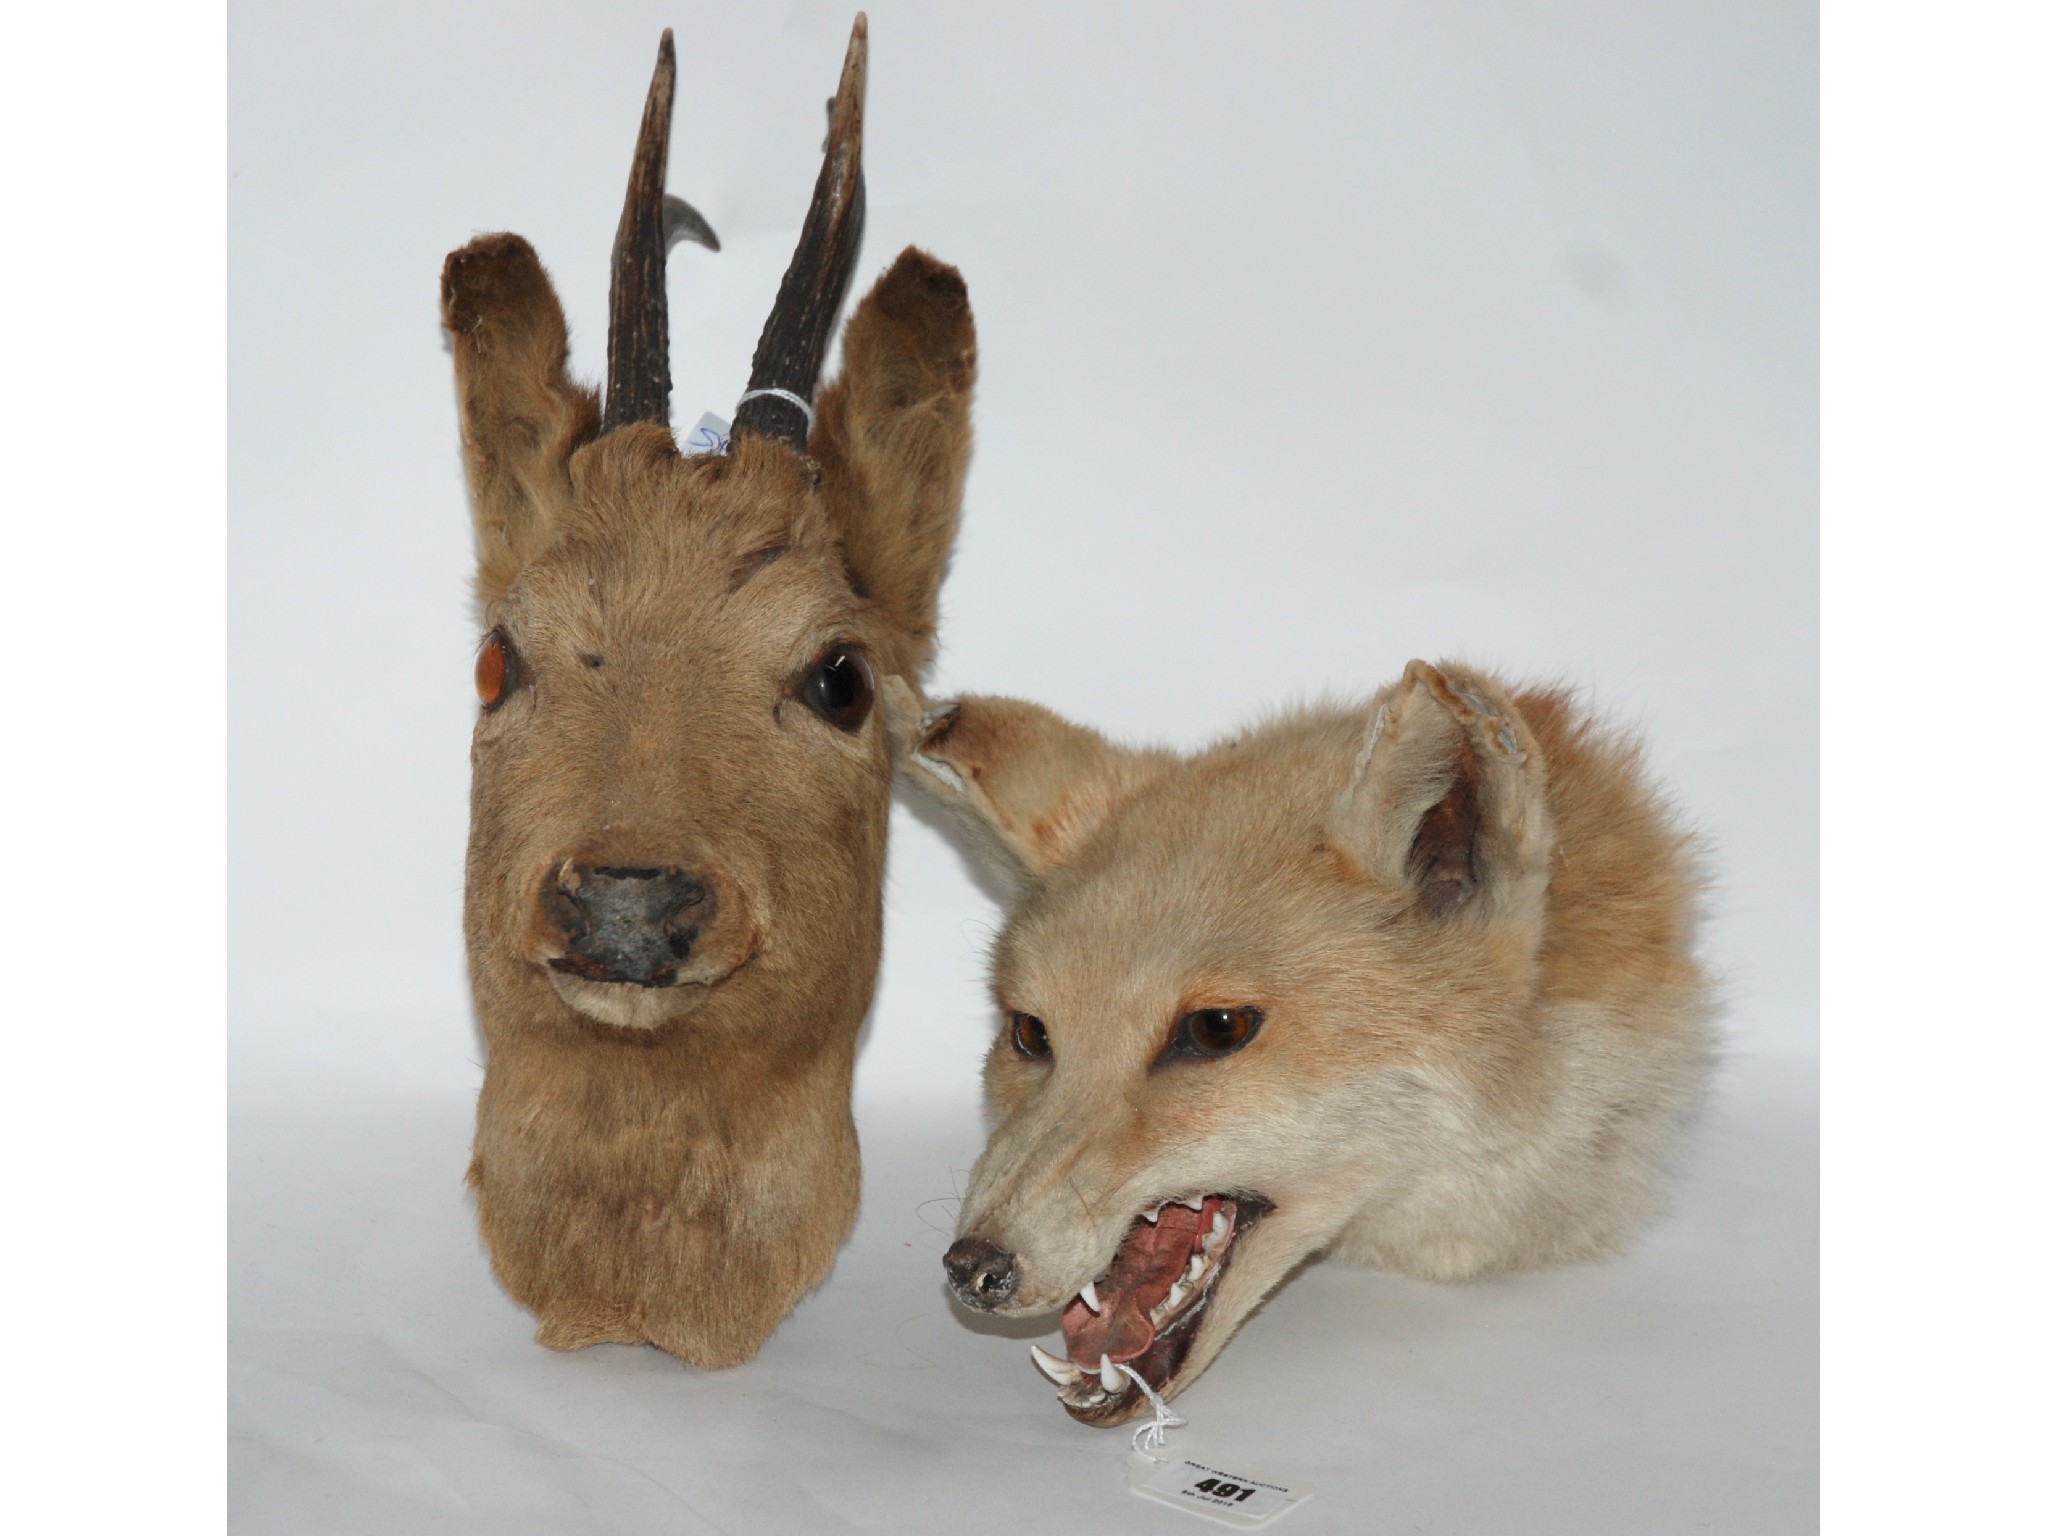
(712, 434)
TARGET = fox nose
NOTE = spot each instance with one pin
(982, 1275)
(630, 925)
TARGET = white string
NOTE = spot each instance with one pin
(1147, 1438)
(795, 399)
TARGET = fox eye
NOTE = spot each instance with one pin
(1216, 1031)
(840, 688)
(1028, 1037)
(498, 671)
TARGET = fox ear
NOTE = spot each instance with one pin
(1028, 786)
(1447, 801)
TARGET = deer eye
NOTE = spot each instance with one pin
(498, 671)
(1216, 1031)
(840, 688)
(1028, 1037)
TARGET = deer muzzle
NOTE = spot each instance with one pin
(636, 926)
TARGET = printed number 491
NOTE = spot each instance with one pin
(1216, 1488)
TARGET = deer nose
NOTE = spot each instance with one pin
(982, 1275)
(630, 925)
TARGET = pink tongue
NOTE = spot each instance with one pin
(1150, 1260)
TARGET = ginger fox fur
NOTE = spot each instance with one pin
(1455, 927)
(677, 1163)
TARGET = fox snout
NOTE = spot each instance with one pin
(625, 925)
(981, 1274)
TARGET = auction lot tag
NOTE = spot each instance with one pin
(712, 434)
(1230, 1498)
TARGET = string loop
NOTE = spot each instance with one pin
(795, 399)
(1148, 1438)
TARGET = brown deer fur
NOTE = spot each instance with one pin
(677, 1163)
(1467, 921)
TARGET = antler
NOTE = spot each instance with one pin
(792, 347)
(636, 348)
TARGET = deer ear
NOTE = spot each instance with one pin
(522, 415)
(1028, 786)
(1447, 800)
(892, 442)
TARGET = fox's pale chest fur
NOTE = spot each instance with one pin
(1408, 985)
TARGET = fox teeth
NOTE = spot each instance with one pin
(1151, 1216)
(1090, 1299)
(1210, 1240)
(1061, 1373)
(1176, 1294)
(1218, 1225)
(1085, 1394)
(1196, 1264)
(1112, 1378)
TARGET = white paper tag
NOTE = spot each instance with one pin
(1230, 1498)
(712, 434)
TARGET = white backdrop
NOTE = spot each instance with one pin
(1313, 338)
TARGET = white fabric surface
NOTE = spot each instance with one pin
(1378, 331)
(380, 1381)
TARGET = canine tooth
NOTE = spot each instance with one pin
(1152, 1215)
(1088, 1295)
(1112, 1378)
(1194, 1205)
(1210, 1240)
(1218, 1225)
(1060, 1372)
(1196, 1264)
(1175, 1296)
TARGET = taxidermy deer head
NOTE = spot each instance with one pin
(681, 775)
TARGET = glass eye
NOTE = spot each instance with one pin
(497, 670)
(1028, 1036)
(1216, 1031)
(840, 689)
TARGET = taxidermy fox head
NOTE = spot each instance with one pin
(1409, 984)
(681, 776)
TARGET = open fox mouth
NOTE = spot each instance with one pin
(1144, 1313)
